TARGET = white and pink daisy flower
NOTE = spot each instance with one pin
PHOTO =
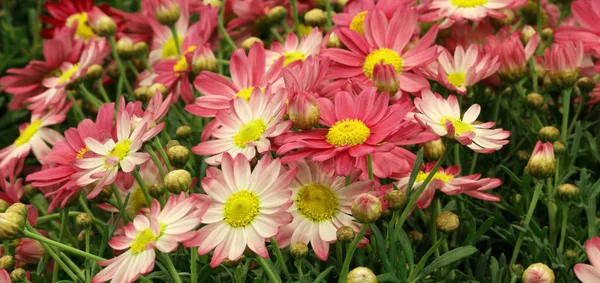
(443, 118)
(163, 44)
(453, 11)
(246, 129)
(293, 51)
(322, 205)
(590, 273)
(248, 206)
(353, 15)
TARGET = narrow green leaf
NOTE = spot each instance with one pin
(446, 259)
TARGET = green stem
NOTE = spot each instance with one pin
(79, 116)
(457, 155)
(565, 120)
(121, 67)
(276, 34)
(6, 247)
(91, 98)
(155, 159)
(161, 151)
(117, 195)
(370, 166)
(63, 247)
(100, 87)
(60, 262)
(421, 264)
(169, 263)
(223, 31)
(329, 11)
(193, 265)
(175, 39)
(294, 7)
(298, 264)
(140, 182)
(72, 266)
(133, 68)
(64, 216)
(552, 210)
(350, 254)
(54, 216)
(437, 207)
(223, 61)
(267, 269)
(473, 163)
(339, 254)
(563, 228)
(577, 113)
(88, 274)
(280, 259)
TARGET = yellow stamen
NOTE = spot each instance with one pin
(293, 56)
(83, 29)
(438, 175)
(468, 3)
(385, 56)
(169, 50)
(121, 150)
(250, 132)
(82, 151)
(141, 240)
(358, 23)
(241, 208)
(457, 79)
(68, 73)
(317, 202)
(459, 126)
(348, 132)
(181, 65)
(28, 133)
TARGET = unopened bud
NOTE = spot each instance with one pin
(385, 79)
(535, 100)
(345, 234)
(541, 163)
(183, 132)
(168, 16)
(81, 235)
(277, 14)
(506, 21)
(523, 155)
(538, 273)
(125, 48)
(140, 94)
(518, 198)
(153, 88)
(178, 155)
(570, 254)
(204, 60)
(84, 220)
(298, 250)
(3, 206)
(434, 149)
(559, 147)
(104, 195)
(304, 111)
(361, 275)
(527, 33)
(104, 26)
(334, 41)
(366, 208)
(230, 263)
(7, 263)
(416, 236)
(585, 84)
(315, 17)
(447, 222)
(547, 34)
(112, 71)
(156, 191)
(549, 133)
(172, 143)
(140, 49)
(178, 181)
(249, 42)
(94, 72)
(517, 269)
(395, 199)
(567, 191)
(18, 275)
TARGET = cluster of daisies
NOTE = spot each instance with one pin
(291, 132)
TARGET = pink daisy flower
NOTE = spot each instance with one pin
(29, 251)
(448, 182)
(590, 273)
(355, 126)
(385, 43)
(156, 109)
(247, 207)
(247, 72)
(251, 17)
(354, 13)
(293, 51)
(70, 13)
(513, 56)
(453, 11)
(163, 44)
(587, 14)
(246, 129)
(162, 229)
(443, 118)
(322, 205)
(464, 69)
(563, 61)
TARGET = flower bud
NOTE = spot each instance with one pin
(7, 262)
(527, 33)
(304, 111)
(585, 84)
(178, 155)
(549, 133)
(517, 269)
(277, 14)
(104, 195)
(156, 191)
(81, 235)
(140, 94)
(231, 263)
(183, 132)
(249, 42)
(366, 208)
(299, 250)
(538, 273)
(547, 34)
(153, 88)
(204, 60)
(178, 181)
(168, 16)
(559, 147)
(416, 236)
(94, 72)
(140, 49)
(395, 199)
(334, 41)
(385, 79)
(104, 26)
(567, 192)
(125, 48)
(18, 275)
(447, 221)
(506, 21)
(112, 71)
(523, 155)
(172, 143)
(3, 206)
(361, 275)
(345, 234)
(535, 100)
(570, 254)
(84, 220)
(518, 198)
(433, 149)
(541, 163)
(315, 17)
(212, 3)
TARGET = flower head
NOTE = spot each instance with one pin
(590, 273)
(541, 163)
(513, 57)
(538, 273)
(562, 62)
(293, 51)
(453, 11)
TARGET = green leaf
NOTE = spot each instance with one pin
(323, 274)
(407, 249)
(387, 277)
(472, 239)
(512, 175)
(446, 259)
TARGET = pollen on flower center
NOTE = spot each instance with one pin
(250, 132)
(181, 65)
(28, 133)
(468, 3)
(438, 175)
(169, 50)
(141, 240)
(68, 73)
(121, 150)
(317, 202)
(358, 23)
(459, 126)
(348, 132)
(83, 29)
(241, 208)
(293, 56)
(247, 92)
(385, 56)
(81, 152)
(457, 79)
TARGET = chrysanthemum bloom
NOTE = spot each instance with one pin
(541, 164)
(246, 129)
(355, 126)
(384, 42)
(112, 155)
(68, 13)
(34, 136)
(322, 205)
(513, 56)
(590, 273)
(293, 51)
(464, 34)
(464, 69)
(587, 14)
(453, 11)
(443, 117)
(252, 17)
(448, 181)
(163, 44)
(27, 82)
(247, 207)
(538, 273)
(162, 229)
(155, 110)
(29, 251)
(247, 72)
(562, 62)
(354, 13)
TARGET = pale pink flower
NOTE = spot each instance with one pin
(538, 273)
(587, 14)
(294, 51)
(452, 11)
(29, 251)
(354, 13)
(590, 273)
(163, 44)
(563, 62)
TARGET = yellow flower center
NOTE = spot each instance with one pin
(348, 132)
(457, 79)
(82, 151)
(121, 149)
(459, 126)
(241, 208)
(83, 29)
(468, 3)
(317, 202)
(293, 56)
(358, 22)
(304, 29)
(169, 50)
(385, 56)
(68, 73)
(28, 133)
(438, 175)
(181, 65)
(250, 132)
(141, 240)
(245, 93)
(137, 201)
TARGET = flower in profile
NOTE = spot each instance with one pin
(162, 229)
(587, 14)
(464, 69)
(443, 117)
(590, 273)
(384, 41)
(513, 56)
(29, 251)
(247, 72)
(292, 51)
(449, 182)
(322, 205)
(541, 164)
(562, 62)
(453, 11)
(247, 207)
(355, 126)
(538, 273)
